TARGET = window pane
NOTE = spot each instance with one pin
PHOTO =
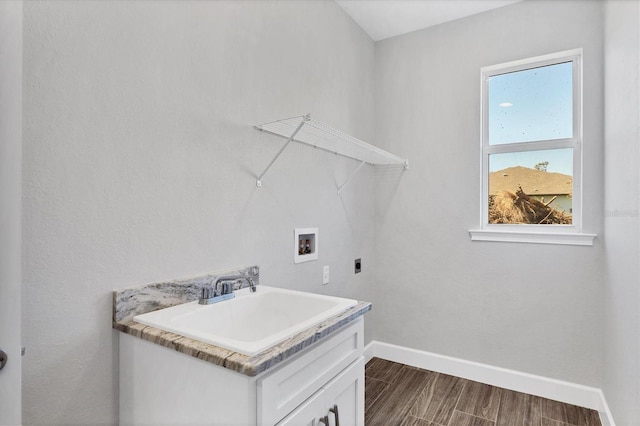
(531, 187)
(530, 105)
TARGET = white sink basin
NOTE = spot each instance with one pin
(250, 322)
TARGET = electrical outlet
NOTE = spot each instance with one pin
(358, 266)
(325, 275)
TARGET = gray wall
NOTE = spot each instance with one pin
(532, 308)
(140, 164)
(621, 384)
(11, 209)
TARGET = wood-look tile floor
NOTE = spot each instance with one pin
(400, 395)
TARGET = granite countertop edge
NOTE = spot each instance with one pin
(240, 363)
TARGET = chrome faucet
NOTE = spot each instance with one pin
(226, 288)
(223, 289)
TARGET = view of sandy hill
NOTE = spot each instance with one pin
(538, 184)
(523, 195)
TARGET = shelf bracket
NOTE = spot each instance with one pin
(293, 135)
(362, 163)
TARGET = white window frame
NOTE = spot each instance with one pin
(533, 233)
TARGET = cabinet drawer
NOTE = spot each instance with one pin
(282, 391)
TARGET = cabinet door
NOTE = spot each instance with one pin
(280, 392)
(344, 396)
(308, 413)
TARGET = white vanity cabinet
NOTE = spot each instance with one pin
(340, 402)
(161, 386)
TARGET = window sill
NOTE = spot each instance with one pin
(573, 239)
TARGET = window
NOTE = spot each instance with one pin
(531, 150)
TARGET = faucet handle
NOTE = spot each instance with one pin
(207, 293)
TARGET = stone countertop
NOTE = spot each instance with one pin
(248, 365)
(129, 302)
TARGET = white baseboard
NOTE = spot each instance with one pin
(558, 390)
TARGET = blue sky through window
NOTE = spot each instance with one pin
(532, 105)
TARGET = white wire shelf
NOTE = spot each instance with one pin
(308, 131)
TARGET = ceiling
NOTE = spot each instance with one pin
(388, 18)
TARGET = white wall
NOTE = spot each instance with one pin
(531, 308)
(621, 375)
(140, 164)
